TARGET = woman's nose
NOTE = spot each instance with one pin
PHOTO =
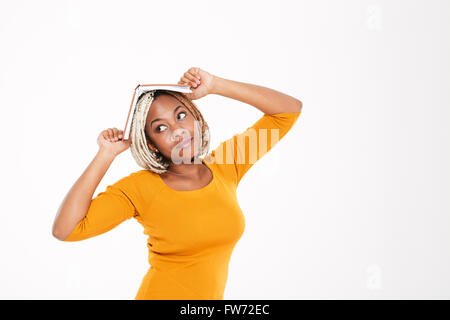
(179, 134)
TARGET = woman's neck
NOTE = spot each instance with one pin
(182, 169)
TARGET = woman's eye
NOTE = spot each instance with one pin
(183, 113)
(157, 128)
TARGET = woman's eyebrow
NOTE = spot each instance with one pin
(158, 119)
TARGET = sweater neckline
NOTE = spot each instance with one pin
(204, 188)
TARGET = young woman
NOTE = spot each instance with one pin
(186, 204)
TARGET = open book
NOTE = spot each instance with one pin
(143, 88)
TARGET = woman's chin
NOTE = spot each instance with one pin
(185, 156)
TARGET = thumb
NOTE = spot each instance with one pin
(126, 142)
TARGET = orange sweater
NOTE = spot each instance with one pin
(191, 234)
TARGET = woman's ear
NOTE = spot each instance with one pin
(151, 147)
(149, 144)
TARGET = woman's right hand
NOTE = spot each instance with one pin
(111, 141)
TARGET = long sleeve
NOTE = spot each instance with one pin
(107, 210)
(244, 149)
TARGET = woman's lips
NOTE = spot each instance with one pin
(184, 143)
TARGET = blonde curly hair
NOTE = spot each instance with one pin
(155, 161)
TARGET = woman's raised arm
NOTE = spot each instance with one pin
(78, 200)
(269, 101)
(265, 99)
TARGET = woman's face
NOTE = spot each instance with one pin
(168, 123)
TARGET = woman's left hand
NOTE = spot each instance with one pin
(199, 81)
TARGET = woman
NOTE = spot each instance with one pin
(186, 204)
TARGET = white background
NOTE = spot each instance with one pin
(353, 202)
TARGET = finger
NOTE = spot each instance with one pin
(195, 72)
(110, 134)
(116, 134)
(192, 77)
(189, 82)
